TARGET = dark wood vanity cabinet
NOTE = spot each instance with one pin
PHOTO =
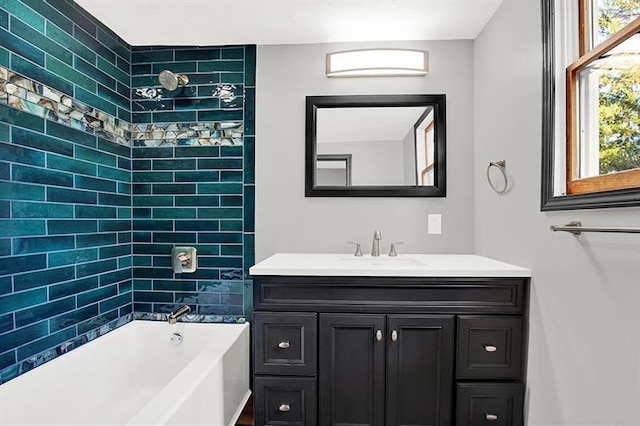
(352, 351)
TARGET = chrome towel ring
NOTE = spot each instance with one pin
(502, 166)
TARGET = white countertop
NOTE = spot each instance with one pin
(404, 265)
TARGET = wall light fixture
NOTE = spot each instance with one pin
(377, 63)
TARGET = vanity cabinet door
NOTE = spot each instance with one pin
(351, 369)
(419, 370)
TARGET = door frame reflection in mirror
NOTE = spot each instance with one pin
(437, 102)
(339, 158)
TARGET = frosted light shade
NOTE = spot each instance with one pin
(377, 62)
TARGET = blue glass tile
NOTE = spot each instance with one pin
(72, 257)
(114, 200)
(6, 323)
(21, 118)
(153, 153)
(219, 237)
(219, 163)
(114, 225)
(124, 237)
(176, 67)
(231, 201)
(124, 64)
(95, 101)
(231, 299)
(4, 57)
(34, 175)
(66, 40)
(197, 201)
(42, 244)
(153, 225)
(231, 151)
(209, 250)
(94, 240)
(231, 176)
(40, 41)
(199, 176)
(219, 188)
(231, 225)
(7, 359)
(40, 210)
(115, 277)
(143, 307)
(124, 114)
(15, 301)
(37, 73)
(20, 228)
(141, 213)
(21, 191)
(69, 164)
(172, 285)
(173, 164)
(5, 248)
(5, 209)
(17, 154)
(71, 318)
(61, 69)
(27, 14)
(141, 69)
(220, 213)
(24, 335)
(96, 184)
(182, 116)
(16, 264)
(197, 225)
(40, 345)
(37, 140)
(16, 44)
(249, 252)
(98, 321)
(70, 134)
(5, 285)
(219, 310)
(198, 151)
(125, 262)
(4, 132)
(174, 188)
(174, 213)
(124, 163)
(115, 174)
(141, 164)
(115, 302)
(124, 213)
(4, 19)
(197, 104)
(147, 296)
(114, 148)
(95, 212)
(153, 176)
(249, 208)
(249, 111)
(231, 274)
(94, 45)
(41, 278)
(222, 287)
(220, 262)
(141, 188)
(220, 66)
(61, 195)
(233, 53)
(232, 78)
(152, 200)
(174, 237)
(108, 67)
(38, 313)
(59, 227)
(50, 13)
(142, 260)
(219, 115)
(161, 249)
(201, 274)
(113, 97)
(198, 298)
(250, 65)
(152, 56)
(144, 81)
(229, 250)
(95, 156)
(202, 54)
(94, 268)
(249, 160)
(162, 262)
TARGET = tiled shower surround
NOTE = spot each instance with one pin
(102, 171)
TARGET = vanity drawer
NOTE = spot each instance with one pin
(285, 343)
(489, 347)
(285, 401)
(490, 404)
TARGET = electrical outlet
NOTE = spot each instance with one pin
(434, 224)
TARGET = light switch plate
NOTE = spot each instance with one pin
(434, 224)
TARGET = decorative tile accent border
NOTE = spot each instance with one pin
(50, 354)
(25, 94)
(227, 319)
(188, 134)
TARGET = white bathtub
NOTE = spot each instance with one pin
(134, 375)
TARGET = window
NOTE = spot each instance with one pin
(596, 110)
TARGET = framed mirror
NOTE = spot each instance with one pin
(375, 146)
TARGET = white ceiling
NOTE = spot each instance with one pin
(221, 22)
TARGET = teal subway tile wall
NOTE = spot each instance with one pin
(102, 171)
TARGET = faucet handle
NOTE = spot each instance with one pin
(358, 248)
(392, 250)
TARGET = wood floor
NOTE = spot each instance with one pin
(246, 418)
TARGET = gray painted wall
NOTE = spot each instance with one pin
(286, 221)
(584, 346)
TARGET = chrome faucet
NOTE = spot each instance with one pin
(375, 248)
(173, 316)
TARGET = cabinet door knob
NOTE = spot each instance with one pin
(490, 417)
(490, 348)
(379, 335)
(394, 336)
(284, 408)
(283, 345)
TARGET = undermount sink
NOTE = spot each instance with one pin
(383, 261)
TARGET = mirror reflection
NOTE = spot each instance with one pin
(378, 145)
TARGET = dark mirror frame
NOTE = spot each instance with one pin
(549, 201)
(438, 102)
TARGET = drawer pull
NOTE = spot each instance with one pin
(379, 335)
(490, 348)
(394, 336)
(490, 417)
(286, 408)
(283, 345)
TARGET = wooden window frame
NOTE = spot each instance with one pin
(619, 180)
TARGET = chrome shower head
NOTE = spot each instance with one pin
(171, 81)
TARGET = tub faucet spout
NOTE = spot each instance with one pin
(173, 316)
